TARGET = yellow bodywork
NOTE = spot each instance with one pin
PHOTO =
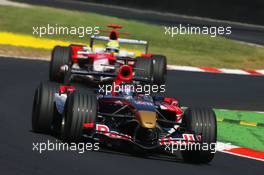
(147, 119)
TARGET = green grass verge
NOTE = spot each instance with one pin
(240, 115)
(191, 50)
(246, 136)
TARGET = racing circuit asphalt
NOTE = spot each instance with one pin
(19, 78)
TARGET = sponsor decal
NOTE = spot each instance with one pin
(103, 129)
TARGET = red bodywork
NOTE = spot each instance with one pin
(125, 74)
(74, 52)
(113, 35)
(75, 55)
(171, 104)
(65, 89)
(88, 125)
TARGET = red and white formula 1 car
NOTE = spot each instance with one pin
(107, 59)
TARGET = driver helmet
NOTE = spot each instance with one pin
(112, 46)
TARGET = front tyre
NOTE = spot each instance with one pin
(59, 57)
(201, 121)
(80, 108)
(44, 107)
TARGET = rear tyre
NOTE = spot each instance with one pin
(80, 108)
(203, 121)
(144, 68)
(44, 107)
(159, 69)
(59, 57)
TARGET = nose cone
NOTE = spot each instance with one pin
(147, 119)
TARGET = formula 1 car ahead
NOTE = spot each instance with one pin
(103, 59)
(147, 123)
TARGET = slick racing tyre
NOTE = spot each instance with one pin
(144, 68)
(44, 107)
(80, 108)
(59, 57)
(159, 69)
(203, 121)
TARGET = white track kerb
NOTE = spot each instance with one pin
(216, 70)
(239, 151)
